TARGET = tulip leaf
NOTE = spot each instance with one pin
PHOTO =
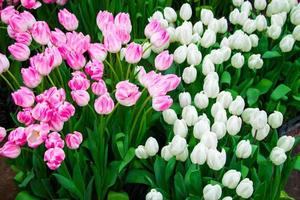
(170, 168)
(226, 78)
(244, 171)
(264, 86)
(271, 54)
(159, 171)
(117, 196)
(128, 157)
(297, 163)
(180, 190)
(280, 92)
(68, 185)
(25, 196)
(252, 96)
(28, 178)
(140, 176)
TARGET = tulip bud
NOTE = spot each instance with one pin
(237, 3)
(247, 114)
(208, 39)
(274, 31)
(141, 153)
(160, 38)
(260, 4)
(237, 60)
(10, 150)
(233, 125)
(278, 156)
(200, 128)
(234, 16)
(183, 156)
(286, 142)
(221, 116)
(178, 145)
(2, 134)
(224, 98)
(151, 146)
(254, 40)
(81, 97)
(184, 33)
(237, 106)
(287, 43)
(165, 153)
(219, 128)
(213, 25)
(242, 18)
(261, 134)
(223, 25)
(189, 74)
(296, 33)
(171, 31)
(201, 100)
(185, 99)
(185, 12)
(207, 66)
(295, 16)
(261, 23)
(194, 56)
(275, 119)
(231, 179)
(23, 97)
(198, 155)
(249, 26)
(19, 51)
(161, 103)
(211, 88)
(40, 32)
(4, 63)
(245, 188)
(255, 61)
(258, 119)
(157, 15)
(163, 61)
(212, 192)
(73, 141)
(243, 149)
(154, 195)
(206, 16)
(180, 54)
(170, 14)
(209, 139)
(215, 159)
(198, 28)
(216, 56)
(190, 115)
(279, 19)
(169, 116)
(146, 50)
(180, 127)
(67, 20)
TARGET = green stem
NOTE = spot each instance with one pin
(139, 136)
(128, 71)
(14, 78)
(49, 78)
(110, 115)
(8, 83)
(112, 69)
(3, 27)
(120, 64)
(60, 77)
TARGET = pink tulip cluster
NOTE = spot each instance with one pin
(79, 85)
(158, 35)
(34, 4)
(158, 86)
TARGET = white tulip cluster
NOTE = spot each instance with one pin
(150, 149)
(284, 144)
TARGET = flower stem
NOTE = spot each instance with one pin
(128, 71)
(112, 69)
(141, 125)
(60, 77)
(8, 83)
(49, 78)
(14, 78)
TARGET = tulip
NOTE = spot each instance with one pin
(260, 4)
(161, 103)
(23, 97)
(261, 23)
(213, 25)
(122, 20)
(286, 142)
(183, 156)
(157, 15)
(237, 3)
(249, 26)
(231, 179)
(7, 13)
(151, 28)
(31, 4)
(275, 119)
(185, 12)
(151, 146)
(97, 51)
(133, 53)
(198, 28)
(180, 128)
(18, 136)
(206, 16)
(103, 18)
(68, 20)
(279, 19)
(170, 14)
(163, 61)
(36, 134)
(154, 195)
(246, 7)
(10, 150)
(258, 119)
(66, 111)
(216, 56)
(201, 100)
(237, 60)
(79, 81)
(219, 128)
(112, 44)
(247, 114)
(169, 116)
(224, 98)
(180, 54)
(200, 128)
(19, 51)
(212, 192)
(261, 134)
(233, 125)
(54, 140)
(2, 134)
(165, 153)
(40, 32)
(296, 33)
(237, 106)
(99, 88)
(189, 74)
(255, 61)
(245, 188)
(234, 16)
(18, 23)
(208, 39)
(198, 155)
(211, 88)
(178, 145)
(57, 37)
(254, 40)
(194, 56)
(278, 156)
(42, 112)
(295, 16)
(4, 63)
(146, 50)
(160, 38)
(185, 99)
(207, 66)
(127, 93)
(223, 25)
(242, 17)
(227, 198)
(209, 139)
(54, 157)
(74, 140)
(24, 38)
(141, 153)
(274, 31)
(243, 149)
(221, 116)
(216, 107)
(190, 115)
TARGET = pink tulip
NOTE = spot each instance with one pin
(25, 117)
(127, 93)
(104, 17)
(104, 104)
(56, 124)
(36, 134)
(31, 4)
(122, 35)
(2, 134)
(81, 97)
(68, 20)
(18, 23)
(28, 18)
(42, 112)
(19, 51)
(18, 136)
(49, 1)
(160, 38)
(95, 69)
(109, 29)
(61, 2)
(54, 140)
(66, 111)
(97, 51)
(11, 32)
(58, 38)
(23, 97)
(79, 81)
(77, 42)
(161, 103)
(41, 32)
(75, 60)
(10, 150)
(159, 88)
(151, 28)
(4, 63)
(31, 77)
(54, 157)
(54, 52)
(7, 14)
(43, 63)
(112, 43)
(53, 96)
(99, 88)
(74, 140)
(122, 20)
(163, 61)
(133, 53)
(24, 38)
(172, 80)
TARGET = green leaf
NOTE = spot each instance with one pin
(264, 86)
(68, 185)
(25, 196)
(28, 178)
(159, 171)
(280, 92)
(140, 176)
(89, 190)
(297, 163)
(244, 171)
(226, 78)
(252, 96)
(180, 189)
(170, 169)
(128, 157)
(117, 196)
(271, 54)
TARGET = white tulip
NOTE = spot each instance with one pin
(165, 153)
(170, 14)
(189, 74)
(198, 28)
(225, 98)
(212, 76)
(237, 106)
(260, 4)
(141, 153)
(154, 195)
(224, 42)
(258, 119)
(171, 31)
(212, 192)
(157, 15)
(279, 19)
(243, 149)
(227, 198)
(201, 100)
(278, 156)
(237, 60)
(206, 16)
(223, 25)
(219, 128)
(261, 23)
(233, 125)
(231, 179)
(169, 116)
(246, 7)
(247, 114)
(183, 156)
(254, 40)
(274, 31)
(296, 33)
(216, 56)
(207, 66)
(210, 140)
(215, 159)
(180, 54)
(180, 128)
(185, 12)
(245, 188)
(184, 33)
(200, 128)
(211, 88)
(261, 134)
(278, 6)
(151, 146)
(249, 26)
(216, 107)
(226, 51)
(234, 16)
(237, 3)
(275, 119)
(196, 38)
(287, 43)
(242, 18)
(221, 116)
(178, 145)
(293, 3)
(146, 50)
(164, 23)
(255, 61)
(198, 155)
(295, 16)
(190, 115)
(208, 39)
(286, 142)
(185, 99)
(204, 117)
(194, 56)
(213, 25)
